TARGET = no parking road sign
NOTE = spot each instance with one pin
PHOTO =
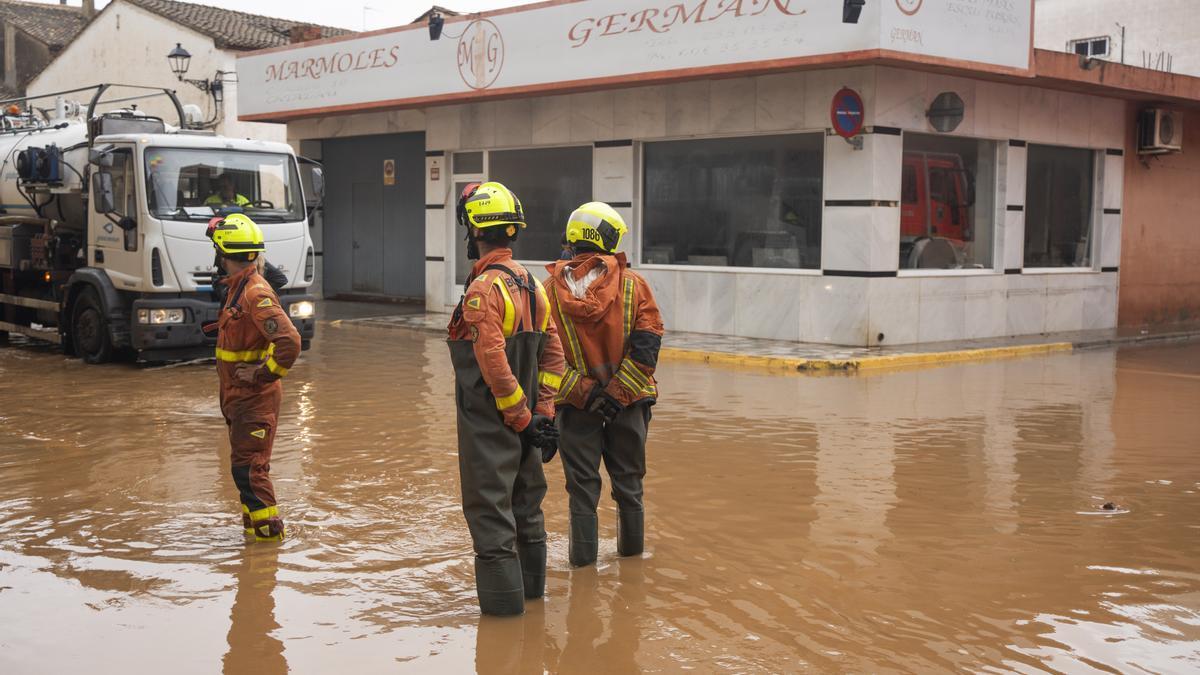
(847, 113)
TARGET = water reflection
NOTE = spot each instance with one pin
(505, 645)
(253, 644)
(922, 521)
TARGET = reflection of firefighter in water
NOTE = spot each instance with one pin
(256, 344)
(252, 647)
(612, 331)
(507, 366)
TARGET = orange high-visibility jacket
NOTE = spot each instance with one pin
(253, 329)
(611, 335)
(496, 307)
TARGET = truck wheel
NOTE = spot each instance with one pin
(89, 330)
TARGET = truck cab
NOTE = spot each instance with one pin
(149, 236)
(111, 255)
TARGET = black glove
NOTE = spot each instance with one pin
(549, 450)
(601, 403)
(540, 432)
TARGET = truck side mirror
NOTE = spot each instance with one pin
(101, 156)
(318, 183)
(102, 193)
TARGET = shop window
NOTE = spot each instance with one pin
(947, 202)
(740, 202)
(551, 183)
(1058, 207)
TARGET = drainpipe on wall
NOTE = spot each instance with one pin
(10, 56)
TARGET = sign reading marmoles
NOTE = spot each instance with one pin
(598, 42)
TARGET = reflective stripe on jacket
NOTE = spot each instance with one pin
(253, 329)
(495, 307)
(611, 336)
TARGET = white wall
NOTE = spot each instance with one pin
(806, 305)
(1151, 27)
(128, 45)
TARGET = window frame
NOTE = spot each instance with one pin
(1090, 41)
(1095, 219)
(639, 205)
(454, 242)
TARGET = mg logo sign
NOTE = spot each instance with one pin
(909, 7)
(480, 54)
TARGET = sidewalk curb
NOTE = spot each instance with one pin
(865, 363)
(869, 363)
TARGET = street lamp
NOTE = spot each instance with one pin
(180, 59)
(436, 21)
(851, 10)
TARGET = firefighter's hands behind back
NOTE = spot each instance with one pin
(540, 432)
(601, 403)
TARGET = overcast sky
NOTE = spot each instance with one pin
(352, 14)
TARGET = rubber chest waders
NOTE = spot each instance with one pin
(501, 478)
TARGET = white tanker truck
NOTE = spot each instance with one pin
(103, 218)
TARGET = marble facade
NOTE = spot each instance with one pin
(859, 297)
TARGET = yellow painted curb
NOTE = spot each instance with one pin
(862, 363)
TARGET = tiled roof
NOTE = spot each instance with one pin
(6, 93)
(230, 29)
(436, 8)
(53, 25)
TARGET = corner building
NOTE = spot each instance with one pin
(980, 193)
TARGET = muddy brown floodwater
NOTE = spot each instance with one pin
(918, 521)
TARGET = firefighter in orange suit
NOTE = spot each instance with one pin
(612, 332)
(256, 345)
(508, 364)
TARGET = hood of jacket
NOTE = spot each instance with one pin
(600, 296)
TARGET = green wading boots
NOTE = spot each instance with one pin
(631, 531)
(498, 583)
(584, 540)
(247, 525)
(533, 569)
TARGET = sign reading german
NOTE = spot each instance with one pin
(551, 46)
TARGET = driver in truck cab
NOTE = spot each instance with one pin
(256, 345)
(226, 194)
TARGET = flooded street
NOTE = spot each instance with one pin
(913, 521)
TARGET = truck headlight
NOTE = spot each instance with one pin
(301, 310)
(160, 316)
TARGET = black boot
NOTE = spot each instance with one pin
(533, 569)
(584, 541)
(498, 584)
(632, 528)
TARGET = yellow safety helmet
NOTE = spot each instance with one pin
(598, 225)
(491, 205)
(237, 235)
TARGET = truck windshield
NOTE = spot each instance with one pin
(195, 184)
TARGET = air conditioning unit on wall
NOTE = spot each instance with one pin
(1160, 131)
